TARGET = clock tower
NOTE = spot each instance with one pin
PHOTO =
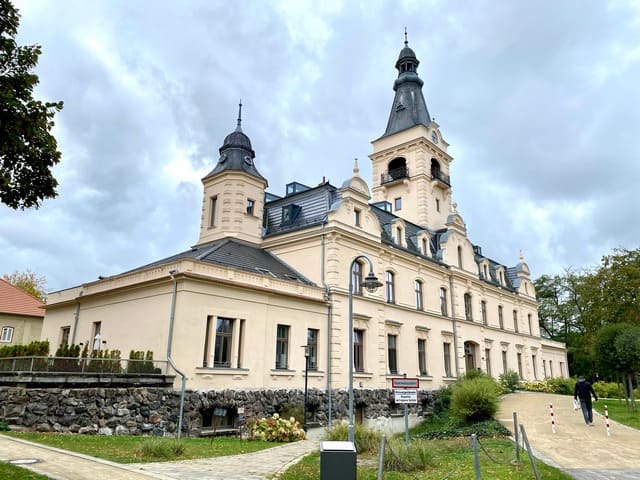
(410, 162)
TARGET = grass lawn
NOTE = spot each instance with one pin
(454, 459)
(619, 412)
(11, 472)
(129, 449)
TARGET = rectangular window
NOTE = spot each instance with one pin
(424, 247)
(504, 362)
(224, 334)
(312, 346)
(446, 347)
(392, 354)
(467, 307)
(65, 332)
(519, 355)
(535, 367)
(422, 356)
(282, 347)
(250, 205)
(398, 235)
(487, 360)
(443, 301)
(515, 321)
(530, 324)
(562, 369)
(397, 204)
(544, 368)
(418, 290)
(483, 308)
(437, 204)
(356, 217)
(551, 368)
(358, 350)
(97, 328)
(240, 343)
(7, 334)
(500, 317)
(391, 297)
(213, 206)
(207, 340)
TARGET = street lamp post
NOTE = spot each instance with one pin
(306, 379)
(371, 283)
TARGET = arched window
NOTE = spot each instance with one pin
(500, 317)
(398, 168)
(435, 168)
(419, 293)
(425, 246)
(356, 279)
(483, 307)
(459, 256)
(390, 287)
(515, 321)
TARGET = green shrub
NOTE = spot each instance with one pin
(366, 439)
(287, 411)
(608, 390)
(510, 380)
(3, 426)
(562, 386)
(442, 400)
(161, 448)
(399, 457)
(474, 400)
(275, 429)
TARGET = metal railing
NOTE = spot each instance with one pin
(441, 177)
(82, 365)
(394, 174)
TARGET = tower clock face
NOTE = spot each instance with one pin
(434, 137)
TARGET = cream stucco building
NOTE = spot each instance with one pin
(271, 273)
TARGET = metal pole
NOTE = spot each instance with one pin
(515, 435)
(306, 377)
(531, 457)
(350, 436)
(383, 442)
(406, 421)
(476, 458)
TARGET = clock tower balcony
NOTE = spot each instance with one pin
(394, 175)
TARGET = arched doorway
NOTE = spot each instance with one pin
(470, 356)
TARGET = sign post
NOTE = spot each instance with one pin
(405, 391)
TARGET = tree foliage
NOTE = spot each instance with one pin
(29, 282)
(28, 151)
(576, 308)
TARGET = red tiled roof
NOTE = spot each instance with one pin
(13, 300)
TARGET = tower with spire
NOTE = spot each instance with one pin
(233, 199)
(410, 162)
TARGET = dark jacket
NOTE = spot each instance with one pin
(584, 390)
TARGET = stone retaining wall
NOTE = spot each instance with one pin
(154, 411)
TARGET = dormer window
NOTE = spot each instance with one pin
(424, 246)
(399, 235)
(290, 214)
(356, 217)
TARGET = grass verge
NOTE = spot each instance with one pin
(132, 449)
(619, 412)
(12, 472)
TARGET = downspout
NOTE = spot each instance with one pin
(454, 326)
(329, 328)
(75, 323)
(169, 344)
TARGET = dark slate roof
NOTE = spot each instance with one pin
(409, 107)
(236, 254)
(305, 209)
(236, 153)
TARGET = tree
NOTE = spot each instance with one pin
(28, 281)
(28, 151)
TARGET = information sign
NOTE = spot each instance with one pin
(406, 396)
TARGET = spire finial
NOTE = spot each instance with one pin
(406, 42)
(239, 127)
(521, 258)
(356, 170)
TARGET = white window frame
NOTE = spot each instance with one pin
(7, 335)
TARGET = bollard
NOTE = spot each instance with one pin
(476, 458)
(553, 421)
(515, 436)
(383, 442)
(606, 417)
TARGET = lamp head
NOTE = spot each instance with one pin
(371, 282)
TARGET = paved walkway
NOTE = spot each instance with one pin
(585, 453)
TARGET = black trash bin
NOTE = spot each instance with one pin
(337, 461)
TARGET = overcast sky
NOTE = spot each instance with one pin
(539, 101)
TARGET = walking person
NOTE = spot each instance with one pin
(584, 391)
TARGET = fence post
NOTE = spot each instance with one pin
(476, 458)
(383, 442)
(515, 436)
(553, 420)
(31, 367)
(531, 457)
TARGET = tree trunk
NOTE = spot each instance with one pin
(631, 395)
